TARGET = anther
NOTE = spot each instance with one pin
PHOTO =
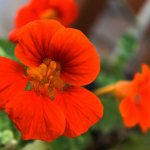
(45, 79)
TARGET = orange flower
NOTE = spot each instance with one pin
(58, 61)
(64, 11)
(135, 107)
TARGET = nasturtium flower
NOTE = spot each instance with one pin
(65, 11)
(135, 105)
(42, 96)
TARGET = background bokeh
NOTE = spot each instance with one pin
(120, 31)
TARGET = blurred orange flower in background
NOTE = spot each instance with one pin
(135, 106)
(65, 11)
(58, 61)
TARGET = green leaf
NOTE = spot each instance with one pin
(111, 119)
(6, 136)
(7, 49)
(37, 145)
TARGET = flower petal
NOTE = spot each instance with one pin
(68, 10)
(36, 116)
(129, 112)
(34, 41)
(143, 77)
(82, 109)
(40, 5)
(78, 58)
(12, 79)
(24, 16)
(144, 119)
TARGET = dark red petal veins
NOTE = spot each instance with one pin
(82, 110)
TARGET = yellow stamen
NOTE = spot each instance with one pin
(49, 14)
(45, 79)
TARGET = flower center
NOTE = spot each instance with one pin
(49, 14)
(45, 79)
(137, 99)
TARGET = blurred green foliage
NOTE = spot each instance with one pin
(7, 49)
(111, 71)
